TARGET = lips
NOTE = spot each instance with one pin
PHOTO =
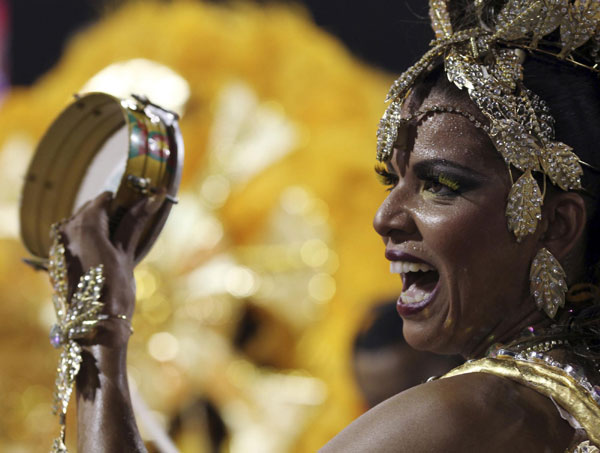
(419, 281)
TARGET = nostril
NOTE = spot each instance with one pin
(395, 222)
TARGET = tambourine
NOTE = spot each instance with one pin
(98, 143)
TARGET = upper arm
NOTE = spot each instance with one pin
(463, 413)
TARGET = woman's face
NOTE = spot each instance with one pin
(465, 278)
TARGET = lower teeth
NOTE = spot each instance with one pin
(407, 299)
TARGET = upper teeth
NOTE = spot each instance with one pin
(402, 267)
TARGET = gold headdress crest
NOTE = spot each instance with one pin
(487, 60)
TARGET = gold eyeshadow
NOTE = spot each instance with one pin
(453, 178)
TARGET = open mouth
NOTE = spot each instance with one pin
(419, 280)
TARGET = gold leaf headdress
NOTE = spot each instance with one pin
(487, 61)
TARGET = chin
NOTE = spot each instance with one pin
(418, 337)
(425, 336)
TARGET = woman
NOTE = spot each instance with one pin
(445, 210)
(480, 249)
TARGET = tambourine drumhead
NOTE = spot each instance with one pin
(99, 143)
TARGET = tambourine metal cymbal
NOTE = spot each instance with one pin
(130, 147)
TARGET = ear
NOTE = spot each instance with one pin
(565, 219)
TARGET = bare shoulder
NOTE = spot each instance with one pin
(463, 413)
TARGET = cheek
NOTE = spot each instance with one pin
(472, 242)
(461, 225)
(481, 264)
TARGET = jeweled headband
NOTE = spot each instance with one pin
(487, 61)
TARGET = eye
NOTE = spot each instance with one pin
(385, 177)
(441, 185)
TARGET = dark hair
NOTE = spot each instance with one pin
(573, 95)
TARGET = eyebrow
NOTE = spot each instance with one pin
(443, 164)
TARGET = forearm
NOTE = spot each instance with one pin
(106, 422)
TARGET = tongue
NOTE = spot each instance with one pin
(424, 283)
(418, 292)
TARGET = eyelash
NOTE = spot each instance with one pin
(386, 178)
(447, 182)
(449, 186)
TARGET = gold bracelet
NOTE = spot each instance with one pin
(106, 317)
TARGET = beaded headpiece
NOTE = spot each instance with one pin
(486, 59)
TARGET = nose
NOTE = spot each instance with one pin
(394, 219)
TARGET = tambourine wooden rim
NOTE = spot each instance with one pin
(154, 161)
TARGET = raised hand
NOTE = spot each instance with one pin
(105, 416)
(89, 243)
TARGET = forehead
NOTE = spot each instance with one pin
(452, 135)
(449, 136)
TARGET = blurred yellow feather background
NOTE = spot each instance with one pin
(294, 237)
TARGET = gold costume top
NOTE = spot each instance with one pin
(565, 384)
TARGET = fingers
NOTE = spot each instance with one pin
(98, 211)
(92, 216)
(135, 221)
(85, 237)
(101, 201)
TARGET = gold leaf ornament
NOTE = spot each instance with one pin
(74, 319)
(586, 447)
(388, 130)
(579, 25)
(517, 19)
(551, 18)
(440, 18)
(507, 69)
(562, 166)
(59, 446)
(517, 147)
(459, 70)
(524, 208)
(401, 86)
(547, 282)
